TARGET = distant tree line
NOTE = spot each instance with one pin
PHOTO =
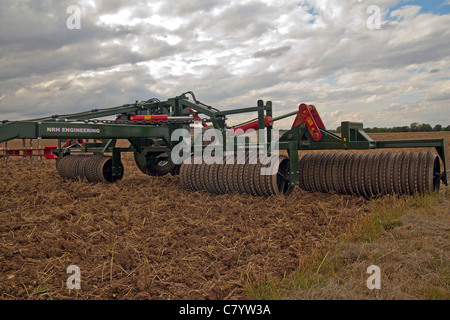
(414, 127)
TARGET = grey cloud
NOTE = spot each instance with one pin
(111, 6)
(241, 22)
(438, 96)
(72, 58)
(367, 49)
(42, 26)
(78, 94)
(272, 53)
(41, 60)
(35, 40)
(191, 7)
(395, 107)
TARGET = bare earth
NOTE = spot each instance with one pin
(147, 238)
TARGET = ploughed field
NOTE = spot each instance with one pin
(148, 238)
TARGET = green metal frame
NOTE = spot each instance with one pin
(76, 126)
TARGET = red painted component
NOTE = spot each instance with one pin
(156, 117)
(161, 117)
(80, 141)
(251, 126)
(197, 117)
(309, 115)
(316, 116)
(45, 152)
(48, 152)
(10, 153)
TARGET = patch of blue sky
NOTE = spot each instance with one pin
(311, 11)
(441, 79)
(331, 79)
(438, 7)
(416, 70)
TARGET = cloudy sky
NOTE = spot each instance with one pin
(330, 53)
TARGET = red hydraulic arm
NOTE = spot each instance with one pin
(165, 117)
(250, 126)
(156, 117)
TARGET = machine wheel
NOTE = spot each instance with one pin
(155, 164)
(433, 173)
(105, 171)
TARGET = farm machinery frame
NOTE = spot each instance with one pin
(85, 139)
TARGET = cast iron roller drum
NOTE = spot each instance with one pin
(72, 166)
(105, 170)
(249, 177)
(92, 168)
(370, 175)
(69, 167)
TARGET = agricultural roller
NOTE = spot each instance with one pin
(87, 149)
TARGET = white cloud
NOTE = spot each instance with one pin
(371, 99)
(406, 12)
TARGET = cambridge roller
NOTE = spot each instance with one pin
(365, 175)
(370, 175)
(250, 177)
(97, 168)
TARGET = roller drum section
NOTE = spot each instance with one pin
(370, 175)
(251, 177)
(90, 168)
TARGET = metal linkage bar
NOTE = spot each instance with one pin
(30, 152)
(4, 155)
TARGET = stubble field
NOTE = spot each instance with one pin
(148, 238)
